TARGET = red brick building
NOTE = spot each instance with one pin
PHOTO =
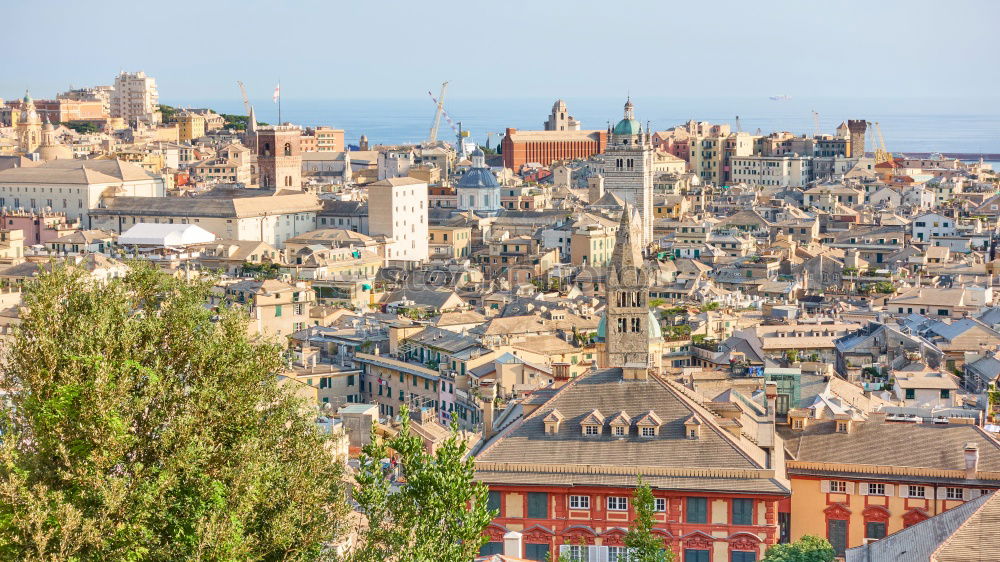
(545, 147)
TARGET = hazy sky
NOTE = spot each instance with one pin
(507, 48)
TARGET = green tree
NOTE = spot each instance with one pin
(643, 545)
(436, 513)
(139, 426)
(807, 549)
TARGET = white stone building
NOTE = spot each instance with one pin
(779, 171)
(75, 187)
(271, 218)
(397, 209)
(628, 169)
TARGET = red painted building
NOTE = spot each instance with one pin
(545, 147)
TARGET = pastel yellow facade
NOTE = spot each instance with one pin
(893, 503)
(190, 126)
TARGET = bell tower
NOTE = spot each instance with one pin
(627, 328)
(279, 157)
(628, 169)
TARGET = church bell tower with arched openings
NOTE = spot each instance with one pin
(632, 338)
(279, 157)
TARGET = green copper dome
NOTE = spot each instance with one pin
(626, 127)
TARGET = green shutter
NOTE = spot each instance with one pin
(493, 501)
(742, 512)
(697, 510)
(538, 504)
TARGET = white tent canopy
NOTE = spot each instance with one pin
(165, 235)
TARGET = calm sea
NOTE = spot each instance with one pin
(915, 125)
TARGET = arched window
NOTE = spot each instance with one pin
(267, 149)
(288, 149)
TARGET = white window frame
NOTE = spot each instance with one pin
(872, 492)
(591, 430)
(660, 505)
(913, 491)
(838, 487)
(617, 503)
(581, 502)
(648, 432)
(618, 430)
(949, 493)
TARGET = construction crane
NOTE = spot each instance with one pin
(815, 123)
(246, 100)
(432, 138)
(882, 153)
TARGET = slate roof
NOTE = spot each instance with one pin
(961, 534)
(605, 391)
(933, 446)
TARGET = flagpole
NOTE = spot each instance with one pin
(279, 101)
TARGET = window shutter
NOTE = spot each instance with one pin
(849, 488)
(890, 489)
(942, 493)
(971, 493)
(824, 486)
(863, 488)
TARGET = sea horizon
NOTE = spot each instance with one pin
(953, 125)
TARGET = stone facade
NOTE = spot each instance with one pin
(279, 157)
(628, 169)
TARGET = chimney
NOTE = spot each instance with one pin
(512, 544)
(489, 413)
(771, 391)
(560, 374)
(971, 460)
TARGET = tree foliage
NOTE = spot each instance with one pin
(436, 513)
(138, 425)
(807, 549)
(643, 545)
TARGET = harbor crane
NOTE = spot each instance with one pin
(881, 152)
(432, 138)
(246, 100)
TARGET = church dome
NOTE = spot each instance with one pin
(655, 332)
(626, 127)
(478, 152)
(478, 177)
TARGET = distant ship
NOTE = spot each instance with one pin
(782, 97)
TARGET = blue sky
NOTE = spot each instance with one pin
(508, 48)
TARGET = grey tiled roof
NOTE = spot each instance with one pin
(526, 442)
(935, 446)
(965, 533)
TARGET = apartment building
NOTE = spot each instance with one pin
(135, 98)
(276, 309)
(398, 210)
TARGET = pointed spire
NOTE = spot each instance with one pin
(627, 251)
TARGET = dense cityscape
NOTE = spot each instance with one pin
(449, 282)
(753, 322)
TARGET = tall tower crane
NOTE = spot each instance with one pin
(882, 153)
(432, 138)
(246, 100)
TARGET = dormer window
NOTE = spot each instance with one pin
(552, 422)
(692, 427)
(592, 423)
(841, 427)
(620, 424)
(649, 424)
